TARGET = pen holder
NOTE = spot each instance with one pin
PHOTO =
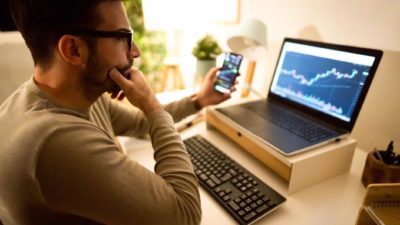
(377, 171)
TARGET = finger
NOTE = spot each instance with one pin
(121, 96)
(212, 73)
(114, 95)
(118, 78)
(227, 95)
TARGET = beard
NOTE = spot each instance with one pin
(96, 77)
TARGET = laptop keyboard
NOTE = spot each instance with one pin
(301, 127)
(238, 191)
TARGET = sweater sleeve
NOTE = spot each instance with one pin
(130, 121)
(80, 171)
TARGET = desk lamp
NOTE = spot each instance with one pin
(250, 40)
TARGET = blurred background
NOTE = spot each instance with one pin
(168, 31)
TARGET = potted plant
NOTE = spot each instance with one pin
(206, 51)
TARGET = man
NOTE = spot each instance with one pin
(58, 161)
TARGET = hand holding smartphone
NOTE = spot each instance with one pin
(228, 72)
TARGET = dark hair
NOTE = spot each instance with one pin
(6, 23)
(43, 22)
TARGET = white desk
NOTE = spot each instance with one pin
(333, 202)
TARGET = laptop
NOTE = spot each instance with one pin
(315, 95)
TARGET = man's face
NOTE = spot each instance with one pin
(109, 53)
(96, 75)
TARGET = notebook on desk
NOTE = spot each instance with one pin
(381, 205)
(315, 96)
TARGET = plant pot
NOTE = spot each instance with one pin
(203, 66)
(377, 171)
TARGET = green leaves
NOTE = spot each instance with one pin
(207, 48)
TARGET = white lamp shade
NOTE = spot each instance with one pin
(250, 39)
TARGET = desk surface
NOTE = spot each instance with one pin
(332, 202)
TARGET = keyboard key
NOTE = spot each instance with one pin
(262, 208)
(215, 179)
(203, 176)
(226, 198)
(226, 177)
(234, 206)
(210, 183)
(249, 216)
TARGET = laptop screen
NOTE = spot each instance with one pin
(327, 78)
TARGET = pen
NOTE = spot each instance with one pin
(389, 155)
(378, 155)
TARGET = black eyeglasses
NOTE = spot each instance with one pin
(107, 34)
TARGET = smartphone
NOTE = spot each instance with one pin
(228, 72)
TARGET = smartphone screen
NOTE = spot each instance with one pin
(228, 72)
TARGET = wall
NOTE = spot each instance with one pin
(16, 64)
(365, 23)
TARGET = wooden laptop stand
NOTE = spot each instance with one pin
(301, 170)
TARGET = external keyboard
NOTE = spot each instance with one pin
(238, 191)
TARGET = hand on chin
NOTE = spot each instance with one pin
(115, 90)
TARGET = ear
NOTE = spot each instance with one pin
(72, 49)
